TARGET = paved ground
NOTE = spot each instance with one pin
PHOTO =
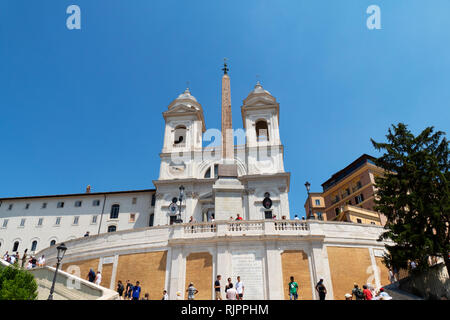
(398, 294)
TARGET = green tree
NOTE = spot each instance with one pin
(17, 284)
(414, 195)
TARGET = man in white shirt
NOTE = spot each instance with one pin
(231, 293)
(41, 261)
(296, 217)
(98, 278)
(239, 288)
(13, 259)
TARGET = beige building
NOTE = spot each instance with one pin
(349, 194)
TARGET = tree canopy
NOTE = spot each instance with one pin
(17, 284)
(414, 195)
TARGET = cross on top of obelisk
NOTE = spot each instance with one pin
(225, 66)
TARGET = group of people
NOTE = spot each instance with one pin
(133, 292)
(293, 289)
(232, 292)
(32, 261)
(367, 293)
(94, 277)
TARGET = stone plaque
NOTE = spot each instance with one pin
(248, 265)
(108, 260)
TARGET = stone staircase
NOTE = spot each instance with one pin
(398, 294)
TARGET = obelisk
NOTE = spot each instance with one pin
(227, 122)
(227, 189)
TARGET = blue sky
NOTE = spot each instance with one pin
(85, 106)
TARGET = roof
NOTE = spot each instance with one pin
(340, 175)
(78, 194)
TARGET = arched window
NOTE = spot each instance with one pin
(16, 246)
(114, 211)
(208, 173)
(52, 243)
(112, 229)
(180, 136)
(151, 221)
(34, 245)
(262, 130)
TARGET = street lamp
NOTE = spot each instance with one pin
(308, 186)
(179, 220)
(60, 255)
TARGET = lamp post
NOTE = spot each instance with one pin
(179, 220)
(60, 255)
(308, 186)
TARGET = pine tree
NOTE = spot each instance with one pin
(414, 196)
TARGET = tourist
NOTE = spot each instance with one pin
(179, 295)
(165, 295)
(191, 219)
(274, 217)
(17, 257)
(91, 275)
(293, 289)
(146, 296)
(212, 218)
(6, 256)
(136, 291)
(86, 234)
(348, 296)
(296, 217)
(98, 278)
(383, 295)
(367, 293)
(192, 291)
(228, 284)
(320, 287)
(24, 258)
(357, 292)
(239, 288)
(231, 218)
(413, 265)
(303, 218)
(33, 261)
(217, 288)
(12, 259)
(238, 217)
(231, 293)
(120, 289)
(128, 290)
(41, 261)
(392, 276)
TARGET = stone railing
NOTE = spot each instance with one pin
(67, 286)
(290, 225)
(194, 228)
(109, 244)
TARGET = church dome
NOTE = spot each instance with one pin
(186, 95)
(259, 89)
(259, 94)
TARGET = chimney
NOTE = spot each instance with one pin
(88, 189)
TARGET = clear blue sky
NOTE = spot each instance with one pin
(85, 106)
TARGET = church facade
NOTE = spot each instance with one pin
(257, 162)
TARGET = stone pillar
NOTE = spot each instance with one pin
(223, 266)
(320, 269)
(176, 281)
(274, 276)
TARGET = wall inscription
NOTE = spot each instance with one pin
(248, 265)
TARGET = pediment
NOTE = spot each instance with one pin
(180, 109)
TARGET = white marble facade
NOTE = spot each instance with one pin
(193, 162)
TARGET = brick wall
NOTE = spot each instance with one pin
(106, 276)
(384, 271)
(347, 266)
(199, 271)
(148, 268)
(295, 263)
(84, 266)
